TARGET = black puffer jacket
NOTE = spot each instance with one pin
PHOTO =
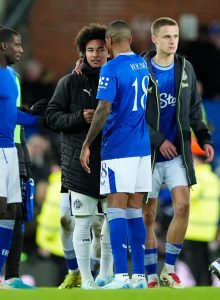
(73, 94)
(188, 113)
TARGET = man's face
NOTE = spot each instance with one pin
(96, 53)
(13, 50)
(166, 39)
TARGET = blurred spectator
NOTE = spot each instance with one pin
(40, 155)
(214, 32)
(203, 219)
(45, 263)
(37, 83)
(48, 226)
(204, 54)
(38, 86)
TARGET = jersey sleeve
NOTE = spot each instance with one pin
(107, 84)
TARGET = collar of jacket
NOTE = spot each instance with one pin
(178, 63)
(87, 70)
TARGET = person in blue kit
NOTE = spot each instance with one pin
(173, 109)
(10, 191)
(125, 152)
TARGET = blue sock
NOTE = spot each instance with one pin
(150, 261)
(118, 236)
(5, 244)
(136, 239)
(71, 261)
(172, 253)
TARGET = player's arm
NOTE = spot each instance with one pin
(26, 118)
(100, 116)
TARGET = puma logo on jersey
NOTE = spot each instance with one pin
(88, 92)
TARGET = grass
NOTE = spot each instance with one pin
(78, 294)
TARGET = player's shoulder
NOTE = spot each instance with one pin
(109, 64)
(188, 64)
(183, 60)
(109, 68)
(11, 70)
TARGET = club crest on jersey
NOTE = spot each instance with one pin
(77, 204)
(103, 82)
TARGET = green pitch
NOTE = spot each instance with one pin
(200, 293)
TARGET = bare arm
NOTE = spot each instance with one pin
(101, 113)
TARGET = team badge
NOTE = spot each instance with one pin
(77, 204)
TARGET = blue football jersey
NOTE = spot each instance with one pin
(124, 82)
(166, 85)
(8, 111)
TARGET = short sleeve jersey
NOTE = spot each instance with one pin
(124, 82)
(166, 85)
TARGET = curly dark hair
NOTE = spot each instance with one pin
(94, 31)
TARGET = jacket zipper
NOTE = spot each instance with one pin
(158, 118)
(178, 120)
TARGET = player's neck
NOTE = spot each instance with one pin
(3, 63)
(164, 60)
(121, 49)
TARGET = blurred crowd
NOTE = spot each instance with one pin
(199, 52)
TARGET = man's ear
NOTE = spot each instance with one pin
(4, 46)
(109, 39)
(154, 39)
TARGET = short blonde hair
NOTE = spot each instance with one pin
(163, 21)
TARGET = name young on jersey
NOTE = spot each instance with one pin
(138, 66)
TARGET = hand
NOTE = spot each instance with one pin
(88, 115)
(39, 108)
(42, 121)
(84, 158)
(209, 152)
(78, 67)
(168, 150)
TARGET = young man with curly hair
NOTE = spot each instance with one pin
(70, 112)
